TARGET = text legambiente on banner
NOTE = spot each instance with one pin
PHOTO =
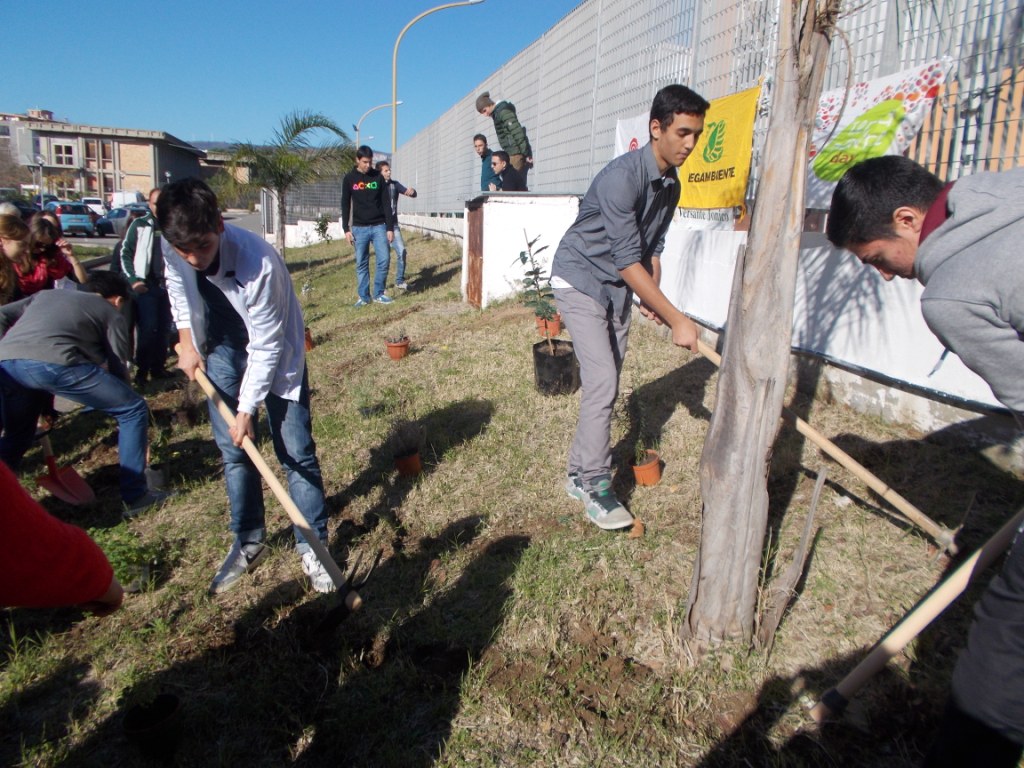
(716, 172)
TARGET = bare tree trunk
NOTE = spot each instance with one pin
(737, 451)
(282, 217)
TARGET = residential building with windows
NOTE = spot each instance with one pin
(72, 159)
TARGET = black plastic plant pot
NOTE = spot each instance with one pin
(558, 373)
(155, 727)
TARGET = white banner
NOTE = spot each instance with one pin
(631, 133)
(875, 118)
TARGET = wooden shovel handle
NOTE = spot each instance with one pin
(942, 536)
(911, 625)
(352, 598)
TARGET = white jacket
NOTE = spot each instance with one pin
(254, 278)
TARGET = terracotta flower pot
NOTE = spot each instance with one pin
(549, 328)
(398, 349)
(409, 465)
(648, 472)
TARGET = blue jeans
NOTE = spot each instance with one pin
(21, 385)
(362, 237)
(153, 315)
(399, 245)
(291, 430)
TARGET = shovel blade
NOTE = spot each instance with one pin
(67, 485)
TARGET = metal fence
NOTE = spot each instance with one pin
(606, 59)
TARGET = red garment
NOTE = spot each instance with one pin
(53, 266)
(44, 562)
(936, 213)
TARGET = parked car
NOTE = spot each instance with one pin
(126, 197)
(74, 217)
(95, 204)
(116, 222)
(45, 199)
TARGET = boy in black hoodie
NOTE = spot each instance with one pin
(364, 199)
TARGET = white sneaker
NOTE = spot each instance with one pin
(318, 575)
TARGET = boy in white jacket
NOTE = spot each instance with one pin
(239, 320)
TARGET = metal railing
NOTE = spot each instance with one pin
(606, 59)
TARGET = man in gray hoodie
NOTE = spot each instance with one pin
(963, 242)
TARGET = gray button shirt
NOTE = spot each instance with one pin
(622, 221)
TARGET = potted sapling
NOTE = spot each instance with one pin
(555, 368)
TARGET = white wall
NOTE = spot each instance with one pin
(508, 221)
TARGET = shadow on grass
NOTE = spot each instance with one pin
(653, 404)
(435, 275)
(440, 431)
(891, 723)
(382, 690)
(29, 719)
(298, 267)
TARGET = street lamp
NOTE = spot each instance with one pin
(355, 126)
(40, 161)
(394, 68)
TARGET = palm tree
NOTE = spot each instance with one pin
(291, 158)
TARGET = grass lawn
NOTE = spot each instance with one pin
(501, 628)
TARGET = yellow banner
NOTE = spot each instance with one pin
(715, 174)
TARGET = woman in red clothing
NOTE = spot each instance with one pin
(48, 258)
(45, 562)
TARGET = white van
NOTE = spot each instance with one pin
(118, 199)
(95, 205)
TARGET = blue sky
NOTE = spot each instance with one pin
(228, 70)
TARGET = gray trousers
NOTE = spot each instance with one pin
(599, 339)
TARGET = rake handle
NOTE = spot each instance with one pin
(941, 535)
(352, 598)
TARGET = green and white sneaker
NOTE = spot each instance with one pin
(574, 487)
(604, 510)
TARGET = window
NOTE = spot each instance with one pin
(63, 154)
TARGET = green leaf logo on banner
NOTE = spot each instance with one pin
(870, 135)
(714, 146)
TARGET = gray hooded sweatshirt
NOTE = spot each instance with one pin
(972, 267)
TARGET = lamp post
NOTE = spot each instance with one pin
(356, 126)
(394, 68)
(40, 162)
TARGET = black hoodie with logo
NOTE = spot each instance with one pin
(364, 195)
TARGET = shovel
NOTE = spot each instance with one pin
(63, 482)
(345, 583)
(834, 700)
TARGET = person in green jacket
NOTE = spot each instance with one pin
(142, 263)
(511, 133)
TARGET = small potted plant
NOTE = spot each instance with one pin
(646, 464)
(646, 460)
(397, 344)
(538, 295)
(554, 362)
(405, 441)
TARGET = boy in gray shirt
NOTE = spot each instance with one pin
(610, 252)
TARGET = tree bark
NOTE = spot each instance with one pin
(751, 386)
